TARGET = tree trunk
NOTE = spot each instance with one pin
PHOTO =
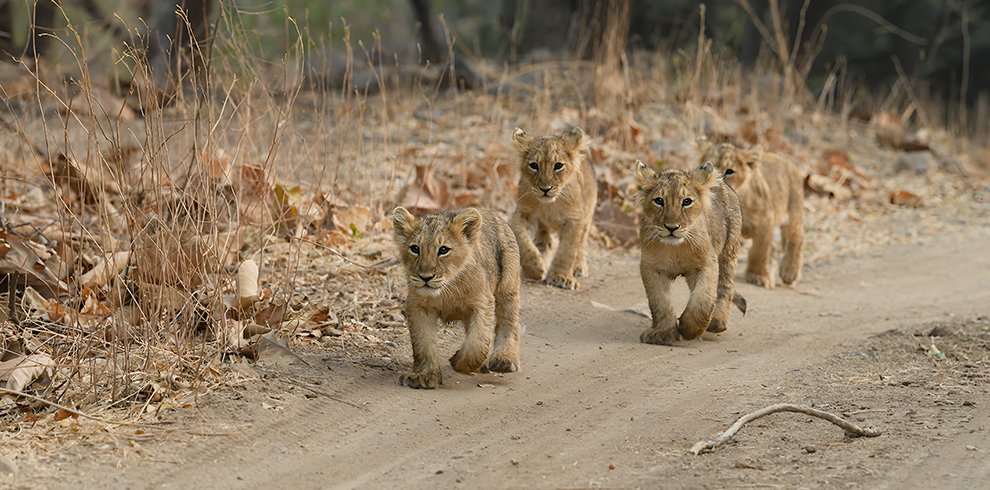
(7, 48)
(177, 43)
(42, 21)
(435, 52)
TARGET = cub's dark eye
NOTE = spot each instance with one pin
(558, 166)
(414, 249)
(442, 251)
(686, 202)
(534, 165)
(729, 171)
(658, 201)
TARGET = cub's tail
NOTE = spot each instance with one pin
(739, 301)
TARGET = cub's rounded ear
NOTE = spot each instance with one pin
(403, 222)
(576, 140)
(467, 222)
(520, 139)
(644, 174)
(750, 157)
(705, 175)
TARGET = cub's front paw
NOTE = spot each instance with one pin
(464, 364)
(534, 271)
(789, 276)
(502, 363)
(659, 336)
(717, 325)
(581, 270)
(762, 280)
(427, 380)
(562, 281)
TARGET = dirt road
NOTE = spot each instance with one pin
(591, 396)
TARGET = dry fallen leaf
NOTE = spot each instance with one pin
(63, 414)
(20, 258)
(351, 220)
(618, 224)
(22, 371)
(106, 269)
(820, 184)
(426, 192)
(271, 315)
(902, 197)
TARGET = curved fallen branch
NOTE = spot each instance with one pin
(849, 427)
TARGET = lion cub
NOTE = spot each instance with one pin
(689, 227)
(557, 195)
(771, 192)
(462, 265)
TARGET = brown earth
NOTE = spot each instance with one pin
(852, 338)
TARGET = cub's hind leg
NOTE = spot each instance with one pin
(758, 262)
(581, 264)
(792, 236)
(505, 354)
(725, 290)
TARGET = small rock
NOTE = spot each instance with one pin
(941, 331)
(970, 447)
(810, 449)
(514, 462)
(611, 466)
(968, 403)
(916, 162)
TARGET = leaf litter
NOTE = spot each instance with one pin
(258, 268)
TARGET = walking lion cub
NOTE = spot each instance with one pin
(462, 266)
(690, 226)
(771, 192)
(557, 195)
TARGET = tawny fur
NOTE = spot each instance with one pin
(771, 192)
(557, 197)
(689, 226)
(462, 266)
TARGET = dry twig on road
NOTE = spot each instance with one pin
(849, 427)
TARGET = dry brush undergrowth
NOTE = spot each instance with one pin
(147, 247)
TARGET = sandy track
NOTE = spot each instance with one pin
(589, 394)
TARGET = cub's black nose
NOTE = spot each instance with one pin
(427, 278)
(671, 228)
(548, 189)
